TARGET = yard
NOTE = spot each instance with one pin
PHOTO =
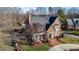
(72, 32)
(43, 47)
(5, 44)
(68, 39)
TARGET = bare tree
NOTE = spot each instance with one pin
(54, 10)
(11, 17)
(73, 12)
(41, 10)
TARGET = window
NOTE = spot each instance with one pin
(36, 37)
(42, 36)
(50, 35)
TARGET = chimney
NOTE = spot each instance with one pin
(29, 19)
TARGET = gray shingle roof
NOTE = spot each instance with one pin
(46, 21)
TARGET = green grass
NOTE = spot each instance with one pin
(43, 47)
(70, 40)
(73, 32)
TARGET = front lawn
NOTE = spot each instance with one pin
(70, 40)
(73, 32)
(43, 47)
(5, 44)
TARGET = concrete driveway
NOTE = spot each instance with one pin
(65, 47)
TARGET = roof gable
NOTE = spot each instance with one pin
(51, 21)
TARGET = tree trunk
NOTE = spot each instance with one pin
(74, 24)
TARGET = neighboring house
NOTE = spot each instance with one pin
(73, 23)
(44, 26)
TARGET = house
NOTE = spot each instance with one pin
(73, 23)
(44, 26)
